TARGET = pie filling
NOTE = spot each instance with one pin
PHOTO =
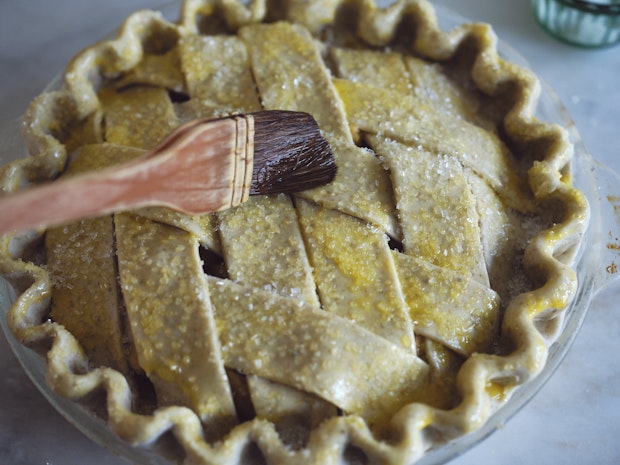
(369, 319)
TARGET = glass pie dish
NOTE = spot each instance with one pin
(591, 277)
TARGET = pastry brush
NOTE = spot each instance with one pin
(204, 166)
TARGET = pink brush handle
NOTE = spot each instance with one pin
(199, 169)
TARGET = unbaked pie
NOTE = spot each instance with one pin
(365, 321)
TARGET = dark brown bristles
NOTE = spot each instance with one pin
(290, 154)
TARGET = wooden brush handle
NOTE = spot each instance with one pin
(202, 167)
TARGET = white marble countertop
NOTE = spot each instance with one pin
(573, 419)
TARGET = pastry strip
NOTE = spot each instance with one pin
(138, 116)
(278, 52)
(295, 412)
(323, 353)
(504, 237)
(218, 76)
(263, 247)
(80, 260)
(376, 68)
(409, 75)
(355, 273)
(447, 307)
(171, 319)
(431, 83)
(443, 363)
(203, 226)
(412, 121)
(436, 207)
(156, 69)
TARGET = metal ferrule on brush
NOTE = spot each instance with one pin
(243, 159)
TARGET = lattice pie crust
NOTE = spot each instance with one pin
(367, 320)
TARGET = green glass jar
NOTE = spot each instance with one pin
(585, 23)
